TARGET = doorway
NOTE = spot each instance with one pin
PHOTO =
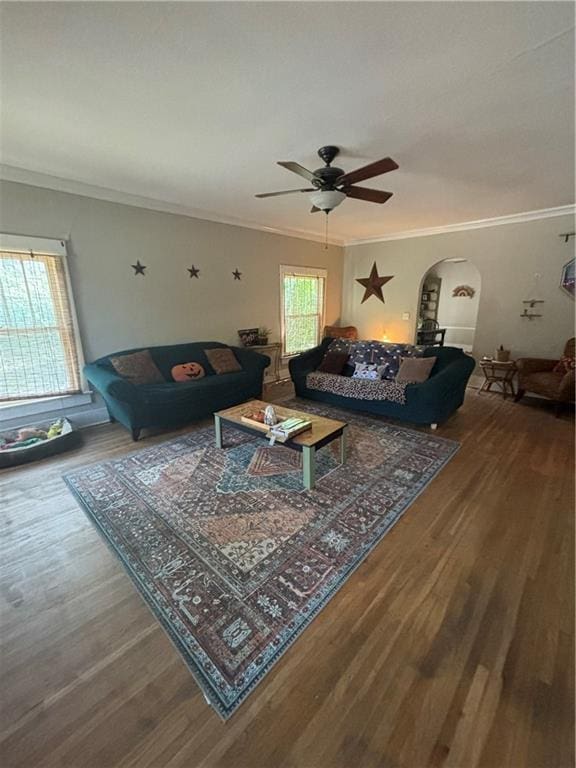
(448, 304)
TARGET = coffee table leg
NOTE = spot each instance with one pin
(309, 466)
(218, 430)
(343, 446)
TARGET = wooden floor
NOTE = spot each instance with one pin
(452, 645)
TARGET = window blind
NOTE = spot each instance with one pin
(38, 354)
(303, 311)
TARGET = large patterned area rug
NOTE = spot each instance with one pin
(230, 552)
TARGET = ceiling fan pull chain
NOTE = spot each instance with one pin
(326, 233)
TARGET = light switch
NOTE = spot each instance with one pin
(405, 315)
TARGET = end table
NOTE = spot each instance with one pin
(501, 374)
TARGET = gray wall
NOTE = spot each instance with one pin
(117, 310)
(507, 257)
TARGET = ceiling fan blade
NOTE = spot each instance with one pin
(370, 195)
(297, 168)
(368, 171)
(314, 209)
(286, 192)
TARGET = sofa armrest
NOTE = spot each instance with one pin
(249, 359)
(451, 380)
(535, 364)
(111, 383)
(308, 361)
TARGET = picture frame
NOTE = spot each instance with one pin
(248, 336)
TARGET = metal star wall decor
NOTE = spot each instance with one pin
(373, 284)
(194, 272)
(139, 268)
(237, 275)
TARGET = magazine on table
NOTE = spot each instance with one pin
(287, 429)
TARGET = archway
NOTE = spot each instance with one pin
(448, 304)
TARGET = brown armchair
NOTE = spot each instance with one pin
(338, 332)
(538, 375)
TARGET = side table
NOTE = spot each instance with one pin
(274, 351)
(501, 374)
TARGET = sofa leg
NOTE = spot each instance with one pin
(519, 395)
(434, 426)
(135, 433)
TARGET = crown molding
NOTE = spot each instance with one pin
(513, 218)
(70, 186)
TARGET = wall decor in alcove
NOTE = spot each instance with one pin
(463, 291)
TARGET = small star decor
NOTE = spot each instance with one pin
(237, 275)
(194, 272)
(139, 268)
(373, 284)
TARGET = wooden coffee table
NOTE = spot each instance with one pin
(323, 432)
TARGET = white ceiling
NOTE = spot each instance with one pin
(192, 104)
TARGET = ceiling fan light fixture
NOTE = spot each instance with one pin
(327, 200)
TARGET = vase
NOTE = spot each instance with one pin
(270, 416)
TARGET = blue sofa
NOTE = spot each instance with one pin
(170, 404)
(431, 402)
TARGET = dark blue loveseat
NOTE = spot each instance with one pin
(170, 404)
(431, 402)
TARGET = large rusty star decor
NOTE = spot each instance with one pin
(373, 284)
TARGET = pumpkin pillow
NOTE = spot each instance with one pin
(187, 372)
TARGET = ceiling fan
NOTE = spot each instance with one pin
(330, 186)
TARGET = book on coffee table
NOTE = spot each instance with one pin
(287, 429)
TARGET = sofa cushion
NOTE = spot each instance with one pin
(359, 389)
(415, 369)
(192, 391)
(137, 368)
(545, 383)
(223, 360)
(333, 362)
(367, 371)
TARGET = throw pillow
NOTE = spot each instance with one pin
(223, 360)
(187, 372)
(565, 365)
(414, 370)
(365, 371)
(333, 362)
(137, 368)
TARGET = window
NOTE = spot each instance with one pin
(302, 292)
(38, 349)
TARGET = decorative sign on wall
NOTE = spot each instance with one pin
(194, 272)
(567, 281)
(465, 291)
(248, 336)
(373, 284)
(138, 268)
